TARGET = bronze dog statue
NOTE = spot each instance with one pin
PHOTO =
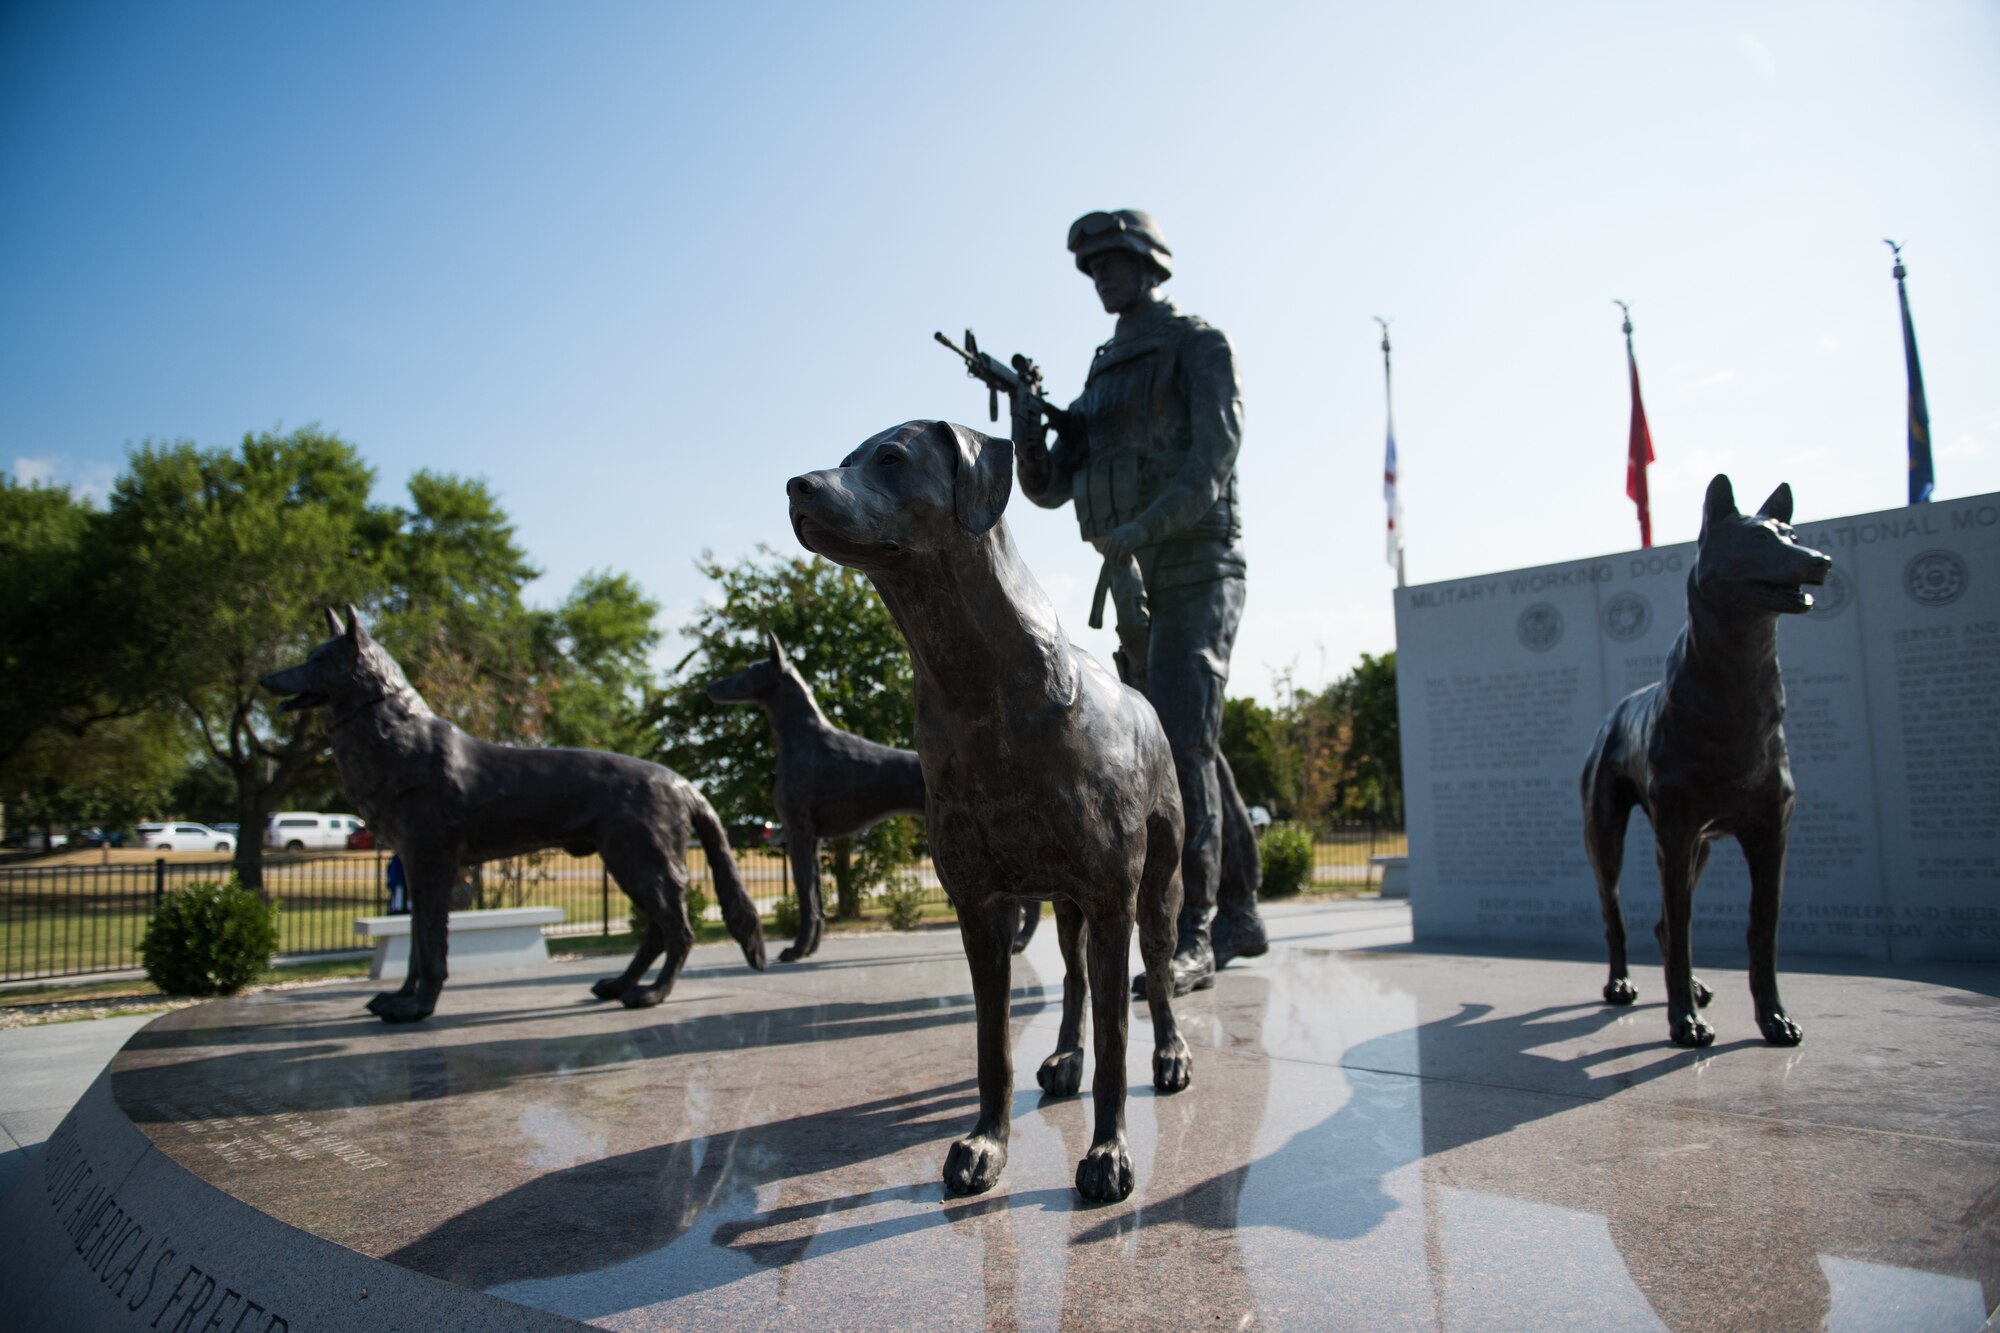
(1044, 776)
(830, 783)
(443, 800)
(1703, 751)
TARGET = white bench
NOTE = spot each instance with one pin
(480, 941)
(1395, 875)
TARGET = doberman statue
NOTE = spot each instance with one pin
(1703, 752)
(444, 800)
(829, 784)
(1044, 777)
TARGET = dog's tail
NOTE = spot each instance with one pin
(738, 912)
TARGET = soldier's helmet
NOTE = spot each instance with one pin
(1122, 229)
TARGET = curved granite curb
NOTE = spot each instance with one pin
(104, 1231)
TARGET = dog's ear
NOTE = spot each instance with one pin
(1779, 506)
(333, 622)
(1721, 501)
(777, 649)
(985, 477)
(355, 630)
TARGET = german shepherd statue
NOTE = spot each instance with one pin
(1703, 752)
(1044, 777)
(444, 800)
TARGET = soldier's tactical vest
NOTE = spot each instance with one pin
(1136, 412)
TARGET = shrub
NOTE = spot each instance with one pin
(209, 938)
(785, 916)
(1287, 853)
(904, 902)
(856, 865)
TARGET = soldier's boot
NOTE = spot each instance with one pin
(1237, 931)
(1194, 957)
(1194, 954)
(1235, 936)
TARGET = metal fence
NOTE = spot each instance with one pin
(77, 919)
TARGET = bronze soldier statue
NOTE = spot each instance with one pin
(1147, 455)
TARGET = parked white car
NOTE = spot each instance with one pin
(303, 830)
(181, 836)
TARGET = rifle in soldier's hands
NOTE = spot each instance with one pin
(1022, 377)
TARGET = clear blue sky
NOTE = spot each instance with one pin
(638, 264)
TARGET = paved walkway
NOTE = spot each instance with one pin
(43, 1070)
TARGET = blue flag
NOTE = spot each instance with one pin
(1922, 479)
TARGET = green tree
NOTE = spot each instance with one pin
(597, 645)
(448, 606)
(223, 554)
(1310, 734)
(113, 773)
(60, 643)
(1253, 742)
(1371, 779)
(842, 640)
(157, 617)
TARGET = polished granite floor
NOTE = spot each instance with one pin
(1376, 1138)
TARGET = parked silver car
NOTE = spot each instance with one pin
(181, 836)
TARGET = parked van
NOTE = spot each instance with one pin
(303, 830)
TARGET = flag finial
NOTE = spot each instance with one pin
(1626, 306)
(1895, 248)
(1385, 332)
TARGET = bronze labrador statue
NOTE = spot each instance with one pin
(1044, 776)
(1703, 751)
(444, 800)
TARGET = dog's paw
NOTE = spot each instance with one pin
(1061, 1075)
(1780, 1030)
(753, 954)
(1691, 1031)
(609, 988)
(1702, 994)
(1620, 990)
(393, 1007)
(791, 953)
(974, 1164)
(1173, 1066)
(642, 997)
(1105, 1173)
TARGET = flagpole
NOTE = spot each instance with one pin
(1923, 478)
(1391, 471)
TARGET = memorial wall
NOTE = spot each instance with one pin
(1893, 683)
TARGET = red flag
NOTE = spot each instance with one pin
(1638, 453)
